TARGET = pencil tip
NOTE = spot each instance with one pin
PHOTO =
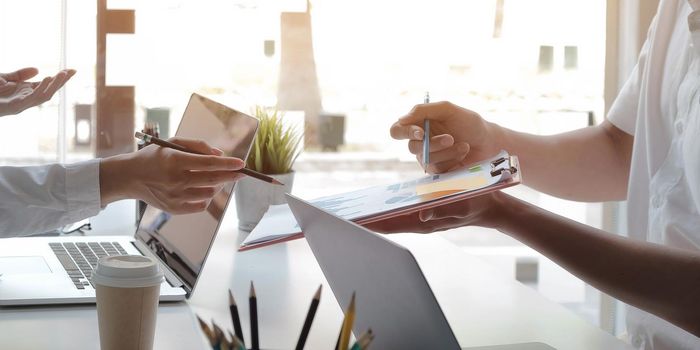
(277, 182)
(218, 333)
(318, 292)
(352, 302)
(252, 290)
(231, 301)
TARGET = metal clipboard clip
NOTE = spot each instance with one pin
(503, 164)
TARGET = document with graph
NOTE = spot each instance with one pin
(381, 202)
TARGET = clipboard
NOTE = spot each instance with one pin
(379, 203)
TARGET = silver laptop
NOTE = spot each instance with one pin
(393, 296)
(56, 270)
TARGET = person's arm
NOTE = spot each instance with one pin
(37, 199)
(589, 164)
(661, 280)
(41, 198)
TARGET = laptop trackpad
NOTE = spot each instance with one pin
(15, 265)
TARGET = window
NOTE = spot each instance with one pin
(350, 67)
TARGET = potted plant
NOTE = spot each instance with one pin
(274, 150)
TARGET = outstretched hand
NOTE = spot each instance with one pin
(18, 94)
(482, 211)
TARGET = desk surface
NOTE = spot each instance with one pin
(483, 306)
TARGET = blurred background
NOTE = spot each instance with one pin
(342, 71)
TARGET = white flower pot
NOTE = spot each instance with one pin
(253, 197)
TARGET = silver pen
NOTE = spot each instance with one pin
(426, 136)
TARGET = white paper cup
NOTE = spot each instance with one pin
(127, 288)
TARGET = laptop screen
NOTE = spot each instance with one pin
(183, 241)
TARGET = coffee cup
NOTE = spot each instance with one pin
(127, 288)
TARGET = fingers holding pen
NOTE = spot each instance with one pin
(437, 143)
(211, 178)
(445, 159)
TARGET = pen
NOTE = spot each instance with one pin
(426, 136)
(152, 139)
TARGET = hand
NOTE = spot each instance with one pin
(458, 136)
(486, 210)
(16, 94)
(171, 180)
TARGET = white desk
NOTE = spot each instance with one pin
(483, 307)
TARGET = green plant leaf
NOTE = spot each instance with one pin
(276, 147)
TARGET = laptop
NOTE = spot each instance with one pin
(57, 270)
(393, 296)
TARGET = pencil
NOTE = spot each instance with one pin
(309, 319)
(207, 331)
(346, 330)
(365, 344)
(253, 304)
(252, 173)
(236, 343)
(221, 341)
(426, 136)
(235, 319)
(363, 339)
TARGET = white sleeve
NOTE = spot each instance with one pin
(41, 198)
(623, 112)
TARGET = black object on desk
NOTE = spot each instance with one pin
(235, 319)
(253, 303)
(219, 339)
(309, 319)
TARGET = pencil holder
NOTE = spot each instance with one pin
(232, 340)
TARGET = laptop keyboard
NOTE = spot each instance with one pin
(79, 259)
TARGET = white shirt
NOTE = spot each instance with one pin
(660, 106)
(41, 198)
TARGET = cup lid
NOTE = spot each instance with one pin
(127, 271)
